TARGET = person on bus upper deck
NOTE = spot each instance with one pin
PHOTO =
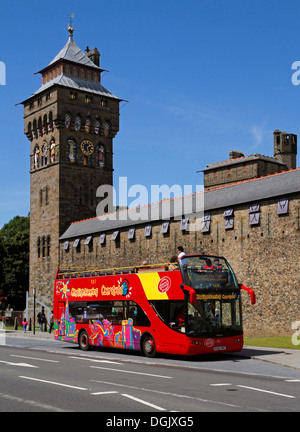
(208, 265)
(217, 264)
(181, 255)
(173, 263)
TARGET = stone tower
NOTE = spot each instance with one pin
(285, 148)
(70, 121)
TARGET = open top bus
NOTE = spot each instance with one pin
(188, 308)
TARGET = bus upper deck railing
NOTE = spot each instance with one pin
(83, 272)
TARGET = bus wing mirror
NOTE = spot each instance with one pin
(251, 293)
(191, 292)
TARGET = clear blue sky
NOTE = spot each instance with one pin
(202, 77)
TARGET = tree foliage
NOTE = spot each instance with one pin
(14, 261)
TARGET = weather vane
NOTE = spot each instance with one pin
(70, 27)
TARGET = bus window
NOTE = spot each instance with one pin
(119, 312)
(107, 311)
(81, 312)
(170, 312)
(137, 314)
(93, 311)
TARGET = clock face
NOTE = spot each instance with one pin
(87, 147)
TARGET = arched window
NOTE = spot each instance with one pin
(48, 245)
(38, 244)
(106, 128)
(29, 131)
(68, 120)
(39, 128)
(45, 124)
(78, 122)
(50, 123)
(43, 246)
(87, 125)
(97, 126)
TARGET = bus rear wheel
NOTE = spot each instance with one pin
(148, 347)
(83, 340)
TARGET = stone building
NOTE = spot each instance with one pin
(70, 121)
(251, 203)
(240, 167)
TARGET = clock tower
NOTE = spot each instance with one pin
(70, 121)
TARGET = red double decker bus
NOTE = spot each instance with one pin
(193, 309)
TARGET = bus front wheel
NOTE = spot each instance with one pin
(148, 347)
(84, 343)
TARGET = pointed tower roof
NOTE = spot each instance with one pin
(71, 52)
(60, 71)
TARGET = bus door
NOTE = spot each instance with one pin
(61, 318)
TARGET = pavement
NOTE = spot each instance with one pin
(279, 356)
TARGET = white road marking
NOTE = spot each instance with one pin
(35, 358)
(96, 361)
(267, 391)
(27, 401)
(220, 384)
(132, 372)
(53, 383)
(144, 402)
(176, 395)
(292, 380)
(18, 364)
(103, 393)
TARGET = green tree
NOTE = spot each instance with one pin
(14, 257)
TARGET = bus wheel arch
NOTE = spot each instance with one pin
(83, 340)
(148, 347)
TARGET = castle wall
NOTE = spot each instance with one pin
(264, 257)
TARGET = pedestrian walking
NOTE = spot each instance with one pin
(41, 317)
(25, 324)
(51, 322)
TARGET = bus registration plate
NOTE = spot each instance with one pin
(221, 348)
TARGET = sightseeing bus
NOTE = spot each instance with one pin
(188, 308)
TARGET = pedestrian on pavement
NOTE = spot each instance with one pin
(25, 324)
(41, 318)
(51, 322)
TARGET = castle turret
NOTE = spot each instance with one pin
(285, 148)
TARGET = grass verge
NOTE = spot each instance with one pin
(272, 342)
